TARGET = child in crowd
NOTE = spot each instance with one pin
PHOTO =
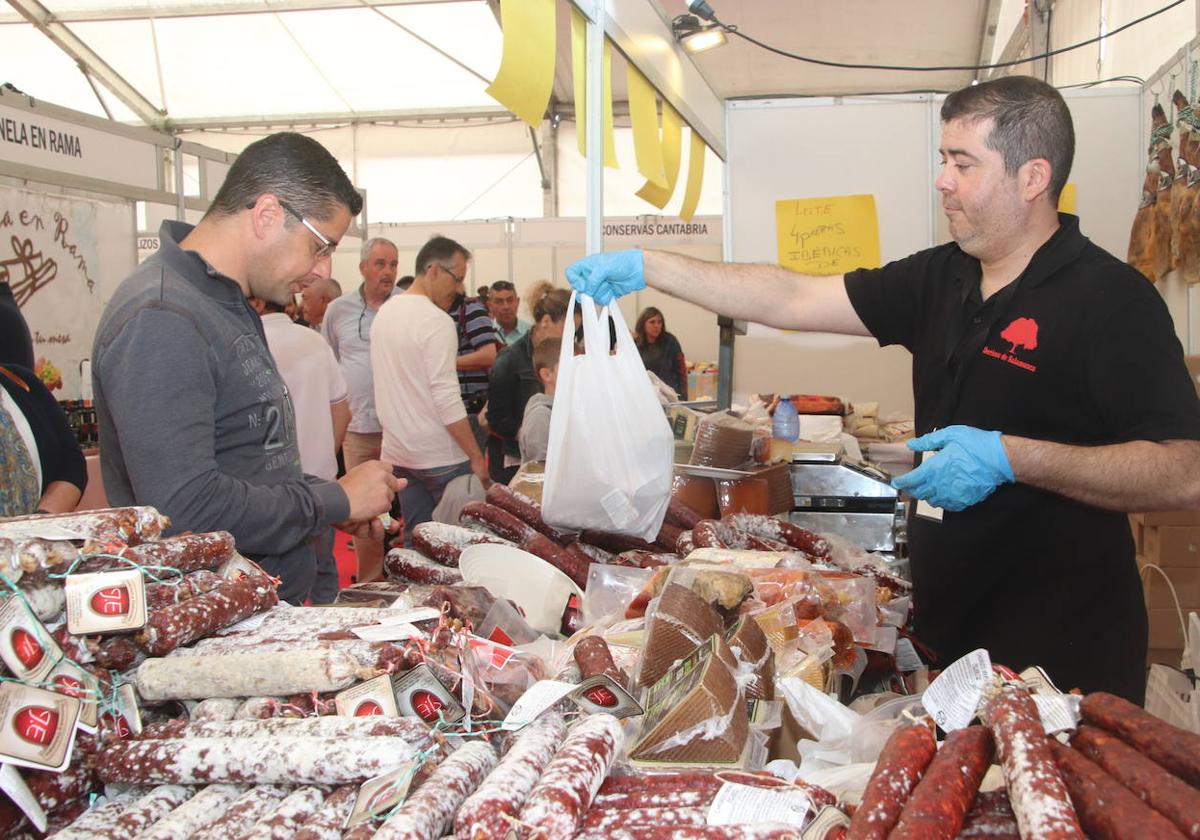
(535, 426)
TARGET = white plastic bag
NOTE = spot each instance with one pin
(611, 452)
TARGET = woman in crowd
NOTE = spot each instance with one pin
(661, 353)
(514, 380)
(42, 469)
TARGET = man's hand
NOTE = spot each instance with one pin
(374, 528)
(603, 277)
(969, 464)
(480, 468)
(370, 487)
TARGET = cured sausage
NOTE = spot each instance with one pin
(574, 566)
(198, 617)
(1035, 788)
(242, 813)
(98, 818)
(681, 516)
(143, 813)
(522, 507)
(487, 812)
(54, 790)
(558, 801)
(426, 814)
(700, 797)
(413, 730)
(668, 537)
(594, 553)
(129, 525)
(601, 821)
(298, 760)
(595, 659)
(193, 815)
(285, 819)
(409, 565)
(755, 831)
(686, 544)
(245, 674)
(990, 817)
(937, 805)
(327, 821)
(903, 760)
(616, 543)
(1174, 799)
(497, 520)
(159, 595)
(185, 553)
(115, 653)
(528, 538)
(444, 543)
(216, 708)
(1107, 810)
(1170, 746)
(769, 527)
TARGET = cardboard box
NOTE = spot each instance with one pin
(1186, 581)
(1193, 366)
(1164, 656)
(1167, 517)
(1139, 535)
(1165, 632)
(1172, 545)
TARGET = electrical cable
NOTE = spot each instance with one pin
(733, 30)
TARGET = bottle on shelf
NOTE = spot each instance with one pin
(785, 425)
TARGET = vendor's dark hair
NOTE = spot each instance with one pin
(293, 168)
(549, 300)
(438, 248)
(639, 326)
(1029, 118)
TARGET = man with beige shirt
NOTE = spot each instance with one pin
(414, 347)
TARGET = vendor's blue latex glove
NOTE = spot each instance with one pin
(603, 277)
(970, 463)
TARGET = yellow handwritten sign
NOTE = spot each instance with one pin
(827, 235)
(1066, 199)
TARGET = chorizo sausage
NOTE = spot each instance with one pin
(408, 565)
(444, 543)
(1175, 749)
(937, 805)
(595, 659)
(901, 764)
(229, 603)
(426, 814)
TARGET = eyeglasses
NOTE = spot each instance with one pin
(457, 278)
(327, 246)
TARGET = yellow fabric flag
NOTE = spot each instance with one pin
(643, 116)
(1066, 200)
(691, 196)
(672, 151)
(579, 72)
(526, 77)
(830, 235)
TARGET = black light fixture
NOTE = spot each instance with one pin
(695, 36)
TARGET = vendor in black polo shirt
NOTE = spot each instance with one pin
(1050, 392)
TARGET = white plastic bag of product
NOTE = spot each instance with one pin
(611, 451)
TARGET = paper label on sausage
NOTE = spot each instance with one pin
(601, 694)
(537, 698)
(37, 727)
(238, 567)
(373, 697)
(123, 718)
(379, 795)
(34, 529)
(953, 697)
(108, 602)
(405, 612)
(25, 644)
(70, 679)
(390, 632)
(736, 804)
(15, 788)
(1059, 712)
(907, 659)
(421, 694)
(827, 819)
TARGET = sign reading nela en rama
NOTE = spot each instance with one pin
(829, 235)
(36, 136)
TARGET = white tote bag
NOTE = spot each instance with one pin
(611, 452)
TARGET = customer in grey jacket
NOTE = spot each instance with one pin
(194, 416)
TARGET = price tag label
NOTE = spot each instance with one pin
(953, 697)
(736, 804)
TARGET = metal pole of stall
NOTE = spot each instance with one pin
(595, 126)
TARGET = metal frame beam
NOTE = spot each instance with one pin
(217, 123)
(202, 9)
(89, 62)
(1017, 43)
(987, 38)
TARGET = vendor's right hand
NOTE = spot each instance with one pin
(370, 487)
(603, 277)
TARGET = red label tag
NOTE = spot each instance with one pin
(426, 704)
(601, 696)
(27, 649)
(367, 708)
(36, 724)
(114, 600)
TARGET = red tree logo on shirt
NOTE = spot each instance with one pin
(1023, 332)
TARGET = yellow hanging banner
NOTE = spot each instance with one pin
(691, 197)
(1066, 200)
(827, 235)
(579, 72)
(526, 77)
(672, 151)
(643, 116)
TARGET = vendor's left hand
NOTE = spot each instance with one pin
(967, 466)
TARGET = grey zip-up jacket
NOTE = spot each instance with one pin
(196, 420)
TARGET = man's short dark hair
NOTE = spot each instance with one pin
(404, 282)
(438, 248)
(545, 354)
(1029, 118)
(293, 168)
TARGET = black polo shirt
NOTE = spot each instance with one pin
(1080, 349)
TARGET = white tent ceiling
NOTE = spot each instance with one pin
(227, 62)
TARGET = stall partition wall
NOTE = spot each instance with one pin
(886, 146)
(526, 251)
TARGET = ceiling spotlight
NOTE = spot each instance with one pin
(694, 36)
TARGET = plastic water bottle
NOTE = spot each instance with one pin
(785, 425)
